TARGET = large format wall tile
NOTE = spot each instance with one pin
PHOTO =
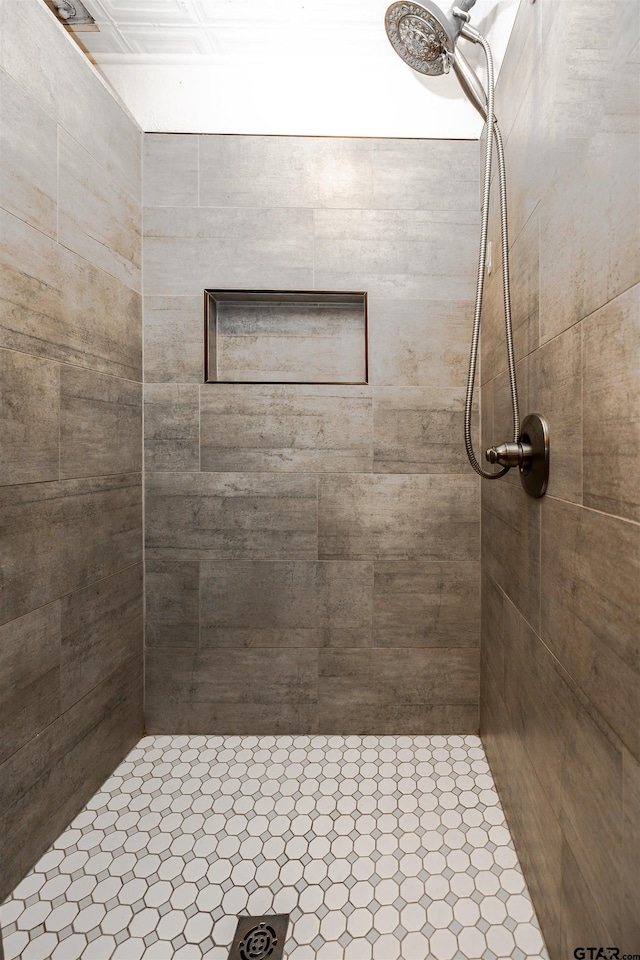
(47, 66)
(172, 603)
(242, 528)
(251, 692)
(396, 254)
(511, 544)
(435, 675)
(560, 661)
(555, 391)
(101, 630)
(493, 642)
(524, 272)
(629, 832)
(537, 700)
(591, 145)
(419, 430)
(190, 249)
(170, 170)
(28, 147)
(61, 536)
(524, 283)
(524, 152)
(398, 690)
(611, 417)
(420, 343)
(97, 218)
(171, 427)
(210, 516)
(167, 713)
(29, 422)
(426, 604)
(100, 424)
(70, 365)
(340, 713)
(448, 175)
(591, 616)
(318, 172)
(393, 517)
(93, 321)
(45, 784)
(527, 807)
(289, 604)
(591, 199)
(29, 676)
(290, 428)
(520, 60)
(174, 339)
(582, 918)
(593, 821)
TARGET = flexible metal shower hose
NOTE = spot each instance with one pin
(486, 193)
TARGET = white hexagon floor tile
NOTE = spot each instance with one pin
(379, 848)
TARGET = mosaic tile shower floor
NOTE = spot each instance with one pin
(380, 848)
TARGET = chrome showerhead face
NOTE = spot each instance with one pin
(421, 35)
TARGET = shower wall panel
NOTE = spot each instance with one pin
(561, 610)
(312, 551)
(70, 434)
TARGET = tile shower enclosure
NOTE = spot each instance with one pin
(315, 513)
(312, 552)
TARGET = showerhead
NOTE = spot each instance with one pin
(425, 38)
(422, 35)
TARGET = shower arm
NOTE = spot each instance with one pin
(469, 82)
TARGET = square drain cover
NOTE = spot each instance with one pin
(260, 938)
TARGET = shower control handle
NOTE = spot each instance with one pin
(511, 454)
(529, 453)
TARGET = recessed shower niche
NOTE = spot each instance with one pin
(285, 336)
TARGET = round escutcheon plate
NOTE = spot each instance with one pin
(534, 475)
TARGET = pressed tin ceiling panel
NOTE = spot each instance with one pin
(238, 28)
(278, 66)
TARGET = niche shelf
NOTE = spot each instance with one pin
(286, 336)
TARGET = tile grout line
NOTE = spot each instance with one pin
(143, 428)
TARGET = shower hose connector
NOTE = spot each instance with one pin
(511, 454)
(529, 453)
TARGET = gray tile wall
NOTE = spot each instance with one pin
(561, 605)
(70, 434)
(312, 551)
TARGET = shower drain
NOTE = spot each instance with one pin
(260, 938)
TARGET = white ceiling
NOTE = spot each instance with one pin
(322, 67)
